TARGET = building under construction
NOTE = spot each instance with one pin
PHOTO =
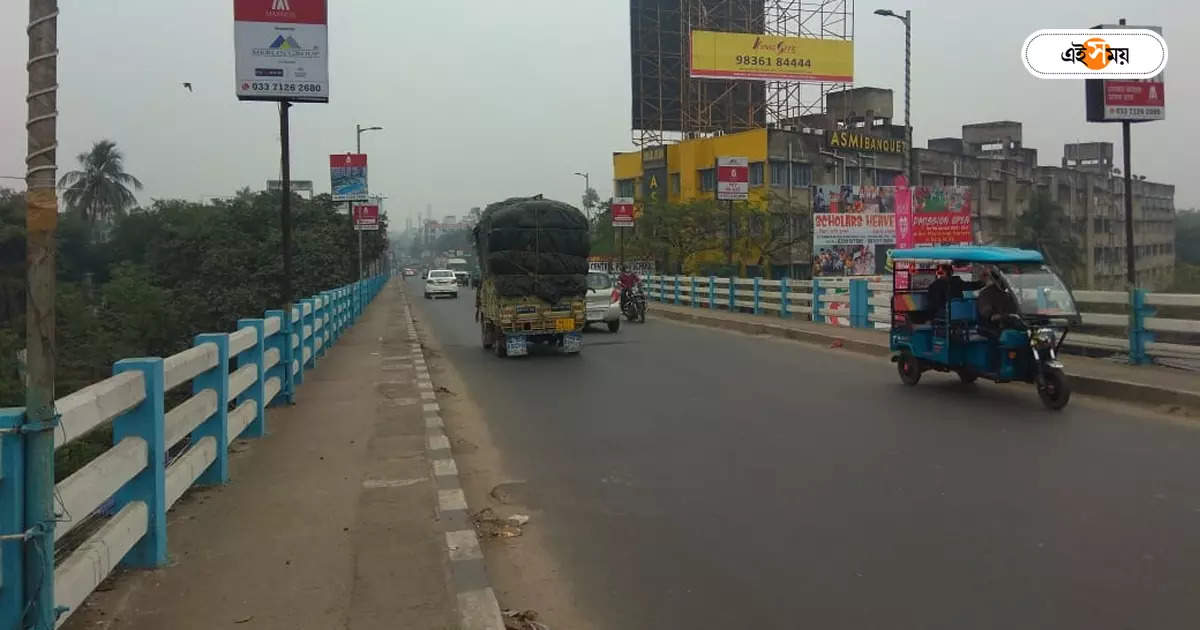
(668, 104)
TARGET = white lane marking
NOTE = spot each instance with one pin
(479, 610)
(451, 500)
(428, 396)
(463, 545)
(445, 467)
(390, 483)
(430, 406)
(424, 384)
(438, 442)
(433, 422)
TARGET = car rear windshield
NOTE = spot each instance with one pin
(598, 281)
(441, 274)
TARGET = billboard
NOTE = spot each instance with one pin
(838, 199)
(622, 212)
(348, 176)
(1127, 99)
(295, 185)
(941, 215)
(281, 50)
(663, 97)
(733, 178)
(852, 244)
(760, 57)
(366, 216)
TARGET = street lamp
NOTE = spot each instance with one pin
(358, 132)
(586, 187)
(907, 19)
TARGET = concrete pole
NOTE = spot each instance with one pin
(908, 153)
(41, 221)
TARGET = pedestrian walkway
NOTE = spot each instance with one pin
(1150, 384)
(328, 522)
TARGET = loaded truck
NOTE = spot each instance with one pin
(533, 276)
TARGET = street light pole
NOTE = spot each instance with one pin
(358, 132)
(908, 150)
(587, 185)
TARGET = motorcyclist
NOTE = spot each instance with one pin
(626, 281)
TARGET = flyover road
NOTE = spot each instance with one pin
(695, 478)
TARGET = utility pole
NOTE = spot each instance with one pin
(1130, 259)
(358, 132)
(285, 207)
(41, 221)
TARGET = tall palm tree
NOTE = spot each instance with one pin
(101, 189)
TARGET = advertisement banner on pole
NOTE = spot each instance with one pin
(622, 212)
(366, 216)
(281, 50)
(733, 178)
(839, 199)
(718, 55)
(904, 213)
(348, 176)
(941, 215)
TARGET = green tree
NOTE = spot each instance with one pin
(1046, 227)
(1187, 237)
(768, 234)
(675, 232)
(101, 189)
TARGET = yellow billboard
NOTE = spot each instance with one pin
(771, 57)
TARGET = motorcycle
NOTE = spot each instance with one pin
(633, 303)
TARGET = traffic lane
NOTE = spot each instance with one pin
(718, 490)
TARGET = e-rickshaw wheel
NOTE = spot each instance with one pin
(1054, 390)
(909, 369)
(967, 377)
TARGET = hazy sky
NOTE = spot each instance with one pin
(483, 99)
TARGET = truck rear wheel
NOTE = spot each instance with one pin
(499, 345)
(486, 335)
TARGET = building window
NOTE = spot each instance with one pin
(996, 191)
(624, 187)
(801, 175)
(756, 173)
(708, 180)
(779, 174)
(852, 176)
(886, 178)
(673, 179)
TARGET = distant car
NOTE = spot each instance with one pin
(409, 272)
(603, 301)
(441, 282)
(462, 277)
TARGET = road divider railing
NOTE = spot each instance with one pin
(157, 453)
(1142, 324)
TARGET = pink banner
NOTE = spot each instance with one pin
(904, 214)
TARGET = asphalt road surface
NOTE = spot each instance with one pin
(694, 478)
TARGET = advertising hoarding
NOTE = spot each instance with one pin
(295, 185)
(622, 212)
(348, 176)
(851, 244)
(941, 215)
(838, 199)
(733, 178)
(1136, 99)
(366, 216)
(717, 55)
(281, 50)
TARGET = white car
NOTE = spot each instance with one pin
(603, 301)
(441, 282)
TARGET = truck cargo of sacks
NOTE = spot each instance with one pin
(534, 246)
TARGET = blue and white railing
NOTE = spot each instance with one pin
(865, 302)
(234, 378)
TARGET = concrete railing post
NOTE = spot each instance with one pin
(1138, 335)
(732, 294)
(692, 291)
(308, 334)
(859, 306)
(783, 298)
(256, 392)
(712, 292)
(676, 300)
(320, 308)
(146, 421)
(817, 291)
(215, 378)
(12, 517)
(296, 344)
(757, 300)
(282, 342)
